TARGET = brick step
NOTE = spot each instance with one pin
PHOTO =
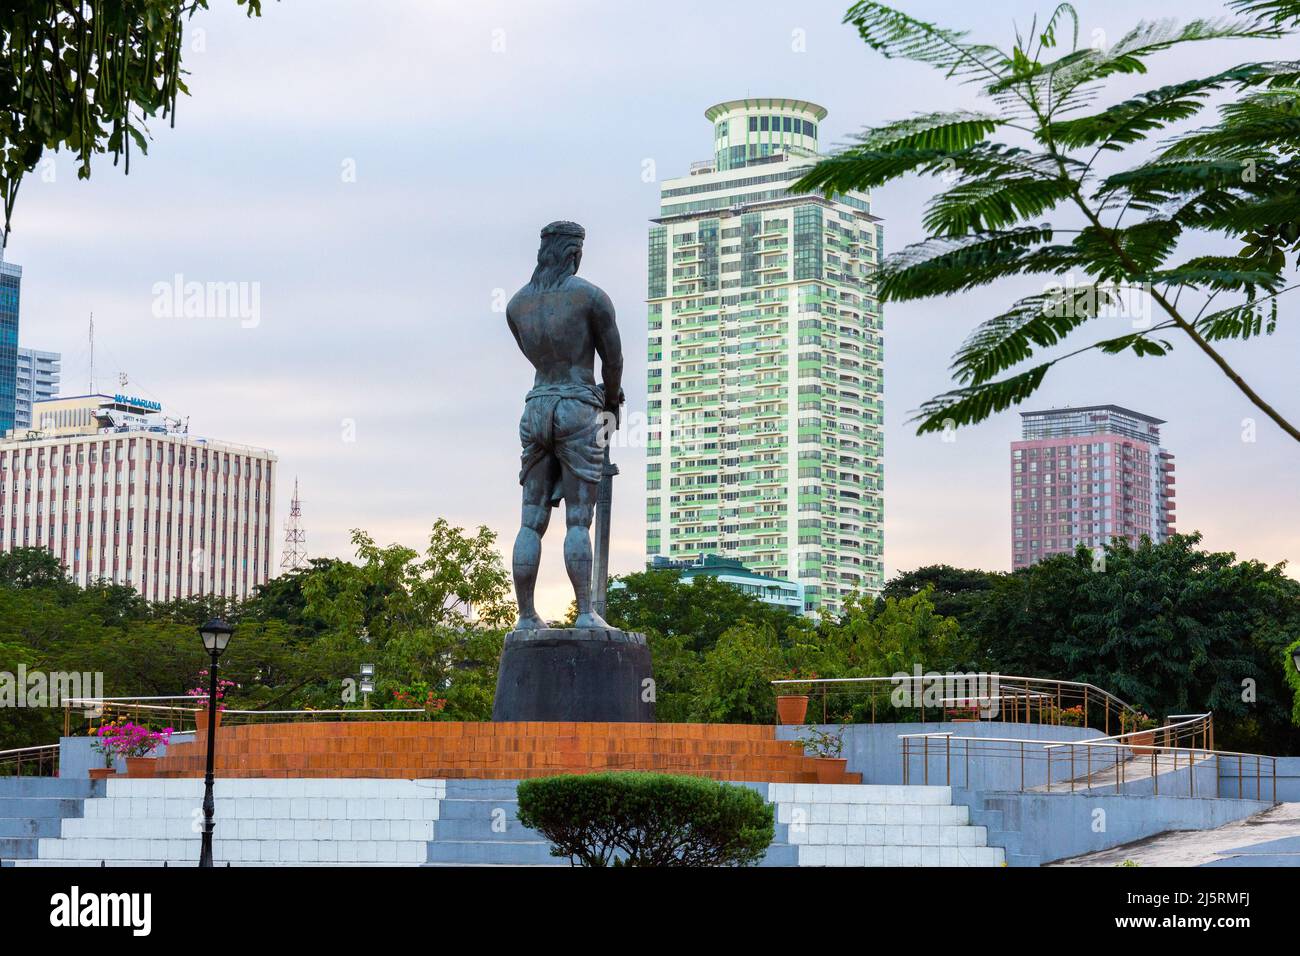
(459, 729)
(491, 745)
(505, 751)
(463, 773)
(665, 762)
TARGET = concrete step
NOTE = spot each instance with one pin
(859, 793)
(30, 827)
(27, 808)
(57, 787)
(500, 853)
(409, 852)
(482, 829)
(457, 808)
(781, 854)
(20, 848)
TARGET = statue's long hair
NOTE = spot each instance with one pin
(557, 259)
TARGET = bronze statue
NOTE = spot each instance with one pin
(560, 323)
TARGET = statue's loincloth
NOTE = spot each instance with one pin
(563, 423)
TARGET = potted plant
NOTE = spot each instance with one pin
(825, 747)
(793, 708)
(1070, 716)
(200, 695)
(103, 745)
(137, 743)
(1139, 731)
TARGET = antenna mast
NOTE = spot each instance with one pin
(92, 353)
(295, 536)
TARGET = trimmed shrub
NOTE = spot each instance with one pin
(647, 819)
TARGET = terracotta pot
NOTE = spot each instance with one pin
(792, 709)
(140, 766)
(201, 721)
(1141, 743)
(831, 769)
(101, 773)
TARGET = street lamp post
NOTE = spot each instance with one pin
(216, 635)
(367, 683)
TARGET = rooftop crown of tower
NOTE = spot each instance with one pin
(742, 127)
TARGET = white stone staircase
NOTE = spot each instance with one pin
(345, 822)
(857, 825)
(259, 822)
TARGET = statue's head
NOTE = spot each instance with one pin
(559, 255)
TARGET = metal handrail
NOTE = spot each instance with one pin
(1201, 719)
(1032, 699)
(43, 757)
(1123, 753)
(107, 708)
(21, 750)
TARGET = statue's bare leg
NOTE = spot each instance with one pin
(579, 509)
(528, 543)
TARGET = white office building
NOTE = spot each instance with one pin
(119, 493)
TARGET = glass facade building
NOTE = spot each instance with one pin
(764, 347)
(1087, 476)
(38, 381)
(11, 279)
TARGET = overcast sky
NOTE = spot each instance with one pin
(380, 170)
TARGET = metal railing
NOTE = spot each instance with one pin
(168, 711)
(1124, 763)
(1011, 699)
(30, 761)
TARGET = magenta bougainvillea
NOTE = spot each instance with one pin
(128, 739)
(200, 693)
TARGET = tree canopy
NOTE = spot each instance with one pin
(86, 76)
(1231, 185)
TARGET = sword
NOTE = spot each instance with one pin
(600, 561)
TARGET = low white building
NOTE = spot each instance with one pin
(119, 493)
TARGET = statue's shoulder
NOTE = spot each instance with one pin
(523, 295)
(580, 285)
(592, 292)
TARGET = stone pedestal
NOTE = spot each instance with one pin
(574, 674)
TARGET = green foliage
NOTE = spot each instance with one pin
(660, 604)
(409, 615)
(85, 76)
(1168, 628)
(26, 568)
(434, 620)
(1293, 679)
(648, 819)
(733, 685)
(823, 743)
(954, 592)
(1235, 181)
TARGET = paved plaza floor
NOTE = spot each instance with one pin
(1271, 838)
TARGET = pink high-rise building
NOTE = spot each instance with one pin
(1087, 476)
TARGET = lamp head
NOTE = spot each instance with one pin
(216, 635)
